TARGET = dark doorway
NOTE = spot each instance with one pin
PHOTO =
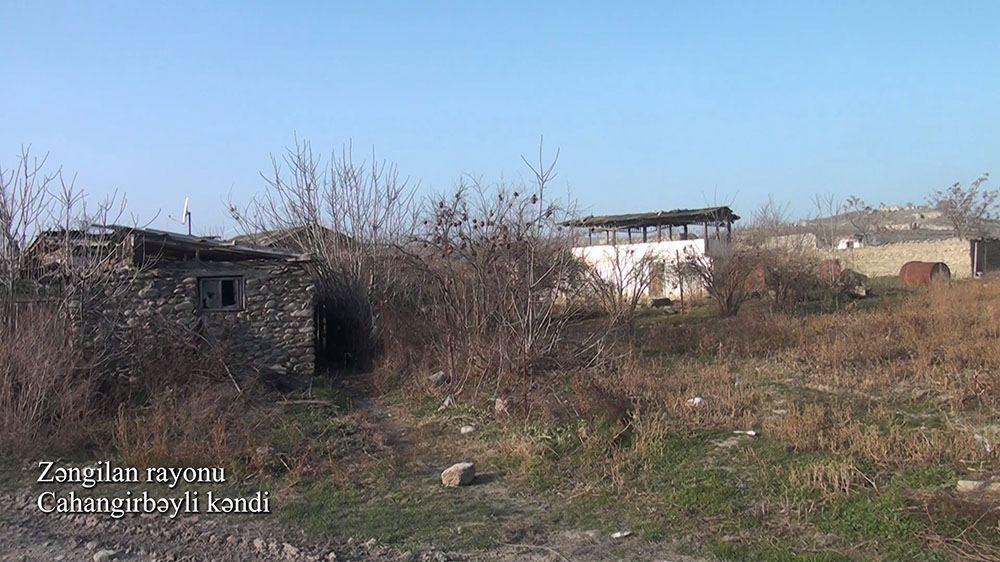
(985, 255)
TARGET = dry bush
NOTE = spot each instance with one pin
(494, 280)
(726, 274)
(619, 283)
(791, 276)
(46, 401)
(177, 402)
(787, 261)
(192, 425)
(51, 366)
(174, 401)
(594, 399)
(351, 217)
(70, 366)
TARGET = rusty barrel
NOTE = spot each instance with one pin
(923, 273)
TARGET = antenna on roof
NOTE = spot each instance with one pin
(186, 214)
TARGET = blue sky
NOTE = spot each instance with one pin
(653, 105)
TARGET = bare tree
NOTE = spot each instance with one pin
(827, 207)
(25, 202)
(968, 209)
(351, 216)
(497, 278)
(620, 279)
(865, 219)
(727, 274)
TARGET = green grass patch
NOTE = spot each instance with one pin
(410, 513)
(880, 520)
(754, 553)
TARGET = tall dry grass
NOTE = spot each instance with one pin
(904, 383)
(173, 404)
(195, 425)
(944, 341)
(46, 399)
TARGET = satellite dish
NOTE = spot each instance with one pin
(186, 214)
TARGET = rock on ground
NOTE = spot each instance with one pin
(104, 555)
(459, 474)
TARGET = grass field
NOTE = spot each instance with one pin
(865, 417)
(862, 417)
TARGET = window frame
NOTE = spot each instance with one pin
(239, 283)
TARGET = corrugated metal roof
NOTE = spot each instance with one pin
(177, 241)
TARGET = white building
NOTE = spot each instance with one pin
(850, 243)
(617, 244)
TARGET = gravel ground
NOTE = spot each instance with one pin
(28, 535)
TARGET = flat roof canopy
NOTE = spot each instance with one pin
(719, 216)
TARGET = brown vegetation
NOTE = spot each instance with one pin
(939, 348)
(71, 369)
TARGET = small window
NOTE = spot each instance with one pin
(221, 293)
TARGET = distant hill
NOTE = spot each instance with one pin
(895, 224)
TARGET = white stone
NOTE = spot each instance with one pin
(289, 550)
(459, 474)
(449, 402)
(977, 486)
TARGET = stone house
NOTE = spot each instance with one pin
(254, 303)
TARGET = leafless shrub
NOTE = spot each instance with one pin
(728, 276)
(497, 273)
(67, 356)
(788, 263)
(866, 219)
(968, 209)
(790, 276)
(350, 216)
(771, 255)
(619, 282)
(46, 400)
(826, 207)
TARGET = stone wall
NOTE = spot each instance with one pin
(885, 260)
(273, 330)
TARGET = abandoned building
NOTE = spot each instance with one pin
(300, 238)
(255, 303)
(614, 244)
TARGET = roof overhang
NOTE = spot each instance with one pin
(678, 217)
